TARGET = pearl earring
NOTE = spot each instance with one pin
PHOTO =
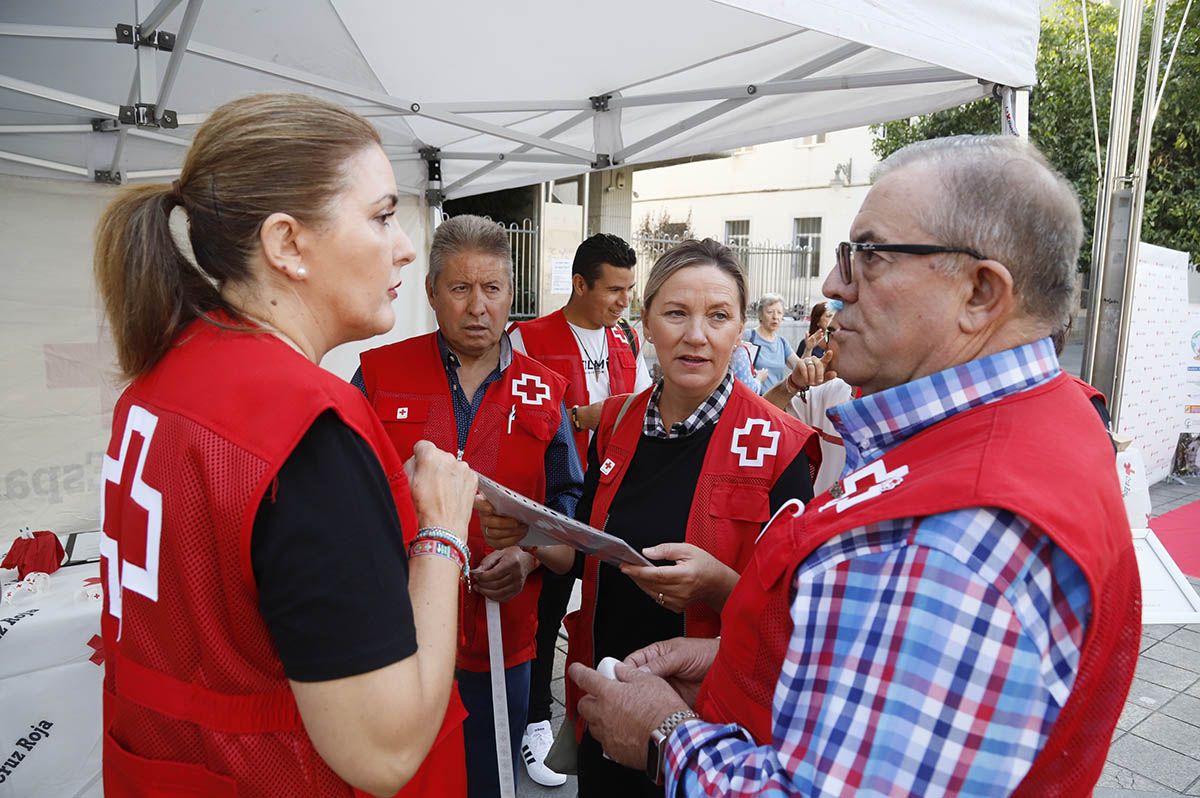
(302, 272)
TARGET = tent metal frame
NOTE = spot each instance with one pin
(149, 93)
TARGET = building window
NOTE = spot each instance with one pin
(809, 141)
(806, 235)
(737, 232)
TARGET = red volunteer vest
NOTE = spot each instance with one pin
(195, 697)
(751, 447)
(406, 383)
(549, 340)
(1034, 454)
(1090, 391)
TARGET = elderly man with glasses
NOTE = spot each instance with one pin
(960, 612)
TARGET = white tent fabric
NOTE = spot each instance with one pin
(476, 80)
(503, 91)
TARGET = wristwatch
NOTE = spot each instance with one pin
(656, 749)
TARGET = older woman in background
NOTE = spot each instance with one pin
(774, 355)
(265, 581)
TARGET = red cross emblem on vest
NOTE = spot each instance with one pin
(753, 447)
(122, 488)
(619, 334)
(865, 483)
(530, 389)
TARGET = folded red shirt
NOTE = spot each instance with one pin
(42, 552)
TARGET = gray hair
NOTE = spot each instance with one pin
(767, 300)
(695, 253)
(1001, 198)
(468, 234)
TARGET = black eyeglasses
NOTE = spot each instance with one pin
(846, 250)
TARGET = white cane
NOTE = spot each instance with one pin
(504, 764)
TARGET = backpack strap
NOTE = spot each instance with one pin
(629, 336)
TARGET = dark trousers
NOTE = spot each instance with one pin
(552, 606)
(603, 778)
(479, 730)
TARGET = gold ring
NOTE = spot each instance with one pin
(660, 599)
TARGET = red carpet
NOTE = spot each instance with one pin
(1179, 532)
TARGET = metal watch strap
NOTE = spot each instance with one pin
(655, 756)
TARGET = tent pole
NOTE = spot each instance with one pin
(56, 32)
(151, 21)
(1107, 284)
(181, 39)
(1141, 174)
(483, 170)
(869, 80)
(45, 129)
(55, 165)
(54, 95)
(722, 108)
(386, 101)
(114, 168)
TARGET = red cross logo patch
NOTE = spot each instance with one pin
(875, 479)
(530, 389)
(751, 447)
(401, 413)
(97, 644)
(619, 335)
(607, 466)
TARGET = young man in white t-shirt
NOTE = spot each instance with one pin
(598, 353)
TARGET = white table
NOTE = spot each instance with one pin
(51, 669)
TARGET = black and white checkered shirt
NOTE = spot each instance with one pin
(705, 415)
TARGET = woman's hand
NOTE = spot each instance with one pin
(442, 489)
(813, 341)
(499, 531)
(812, 371)
(501, 574)
(695, 576)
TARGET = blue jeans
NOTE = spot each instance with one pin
(483, 779)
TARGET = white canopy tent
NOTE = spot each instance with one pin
(486, 95)
(507, 94)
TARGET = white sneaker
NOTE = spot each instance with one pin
(535, 744)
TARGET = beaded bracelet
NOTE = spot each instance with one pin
(446, 536)
(438, 547)
(427, 547)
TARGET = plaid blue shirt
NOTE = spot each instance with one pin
(929, 656)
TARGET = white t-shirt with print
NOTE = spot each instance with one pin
(593, 350)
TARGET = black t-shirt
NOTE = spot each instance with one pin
(329, 559)
(652, 506)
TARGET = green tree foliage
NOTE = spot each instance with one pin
(1060, 120)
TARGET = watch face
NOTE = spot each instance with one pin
(655, 749)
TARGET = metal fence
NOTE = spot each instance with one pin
(770, 268)
(523, 238)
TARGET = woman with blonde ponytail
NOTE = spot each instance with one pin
(268, 566)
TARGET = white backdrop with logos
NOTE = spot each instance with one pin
(1152, 393)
